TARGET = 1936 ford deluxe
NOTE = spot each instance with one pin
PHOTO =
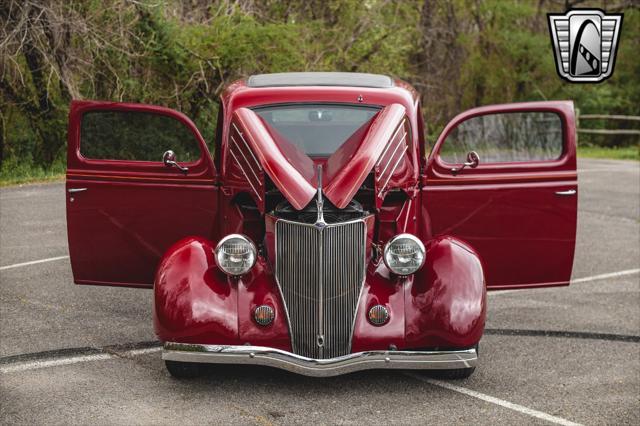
(321, 237)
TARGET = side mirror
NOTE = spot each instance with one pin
(169, 160)
(473, 159)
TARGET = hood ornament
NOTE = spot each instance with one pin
(320, 223)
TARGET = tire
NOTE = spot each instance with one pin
(456, 373)
(184, 370)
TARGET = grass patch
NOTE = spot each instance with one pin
(14, 173)
(622, 153)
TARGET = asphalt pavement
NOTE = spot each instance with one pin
(79, 354)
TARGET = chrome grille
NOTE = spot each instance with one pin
(320, 271)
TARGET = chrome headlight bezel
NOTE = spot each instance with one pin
(251, 254)
(388, 253)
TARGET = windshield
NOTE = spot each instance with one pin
(318, 130)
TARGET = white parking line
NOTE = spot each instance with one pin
(35, 365)
(497, 401)
(33, 262)
(576, 281)
(605, 276)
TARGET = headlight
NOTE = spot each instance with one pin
(235, 254)
(404, 254)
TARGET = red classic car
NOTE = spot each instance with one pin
(321, 237)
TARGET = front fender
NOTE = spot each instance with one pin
(195, 302)
(192, 297)
(446, 305)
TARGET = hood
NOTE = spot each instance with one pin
(379, 146)
(289, 168)
(350, 165)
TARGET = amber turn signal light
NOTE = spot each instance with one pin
(378, 315)
(264, 315)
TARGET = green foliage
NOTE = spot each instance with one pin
(620, 153)
(14, 171)
(458, 54)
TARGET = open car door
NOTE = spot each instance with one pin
(503, 178)
(127, 198)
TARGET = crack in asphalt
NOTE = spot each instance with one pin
(118, 349)
(565, 334)
(115, 350)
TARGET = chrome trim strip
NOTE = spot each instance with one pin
(395, 166)
(406, 222)
(275, 268)
(392, 155)
(320, 202)
(270, 357)
(364, 279)
(320, 339)
(247, 145)
(245, 175)
(386, 148)
(235, 143)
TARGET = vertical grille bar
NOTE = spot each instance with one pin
(320, 272)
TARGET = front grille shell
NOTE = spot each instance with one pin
(320, 272)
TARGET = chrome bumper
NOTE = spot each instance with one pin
(260, 355)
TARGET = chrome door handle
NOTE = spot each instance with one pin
(473, 159)
(169, 160)
(567, 192)
(74, 190)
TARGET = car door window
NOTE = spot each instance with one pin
(136, 136)
(506, 137)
